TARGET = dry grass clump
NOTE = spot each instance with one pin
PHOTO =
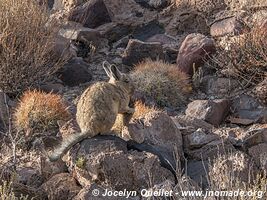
(40, 111)
(160, 83)
(141, 110)
(26, 44)
(245, 58)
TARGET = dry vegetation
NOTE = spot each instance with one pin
(26, 43)
(161, 83)
(245, 58)
(40, 111)
(141, 110)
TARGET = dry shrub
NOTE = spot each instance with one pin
(141, 110)
(245, 58)
(160, 83)
(40, 111)
(26, 44)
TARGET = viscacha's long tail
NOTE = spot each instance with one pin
(66, 144)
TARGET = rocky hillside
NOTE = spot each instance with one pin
(200, 122)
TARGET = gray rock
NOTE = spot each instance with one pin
(228, 26)
(75, 72)
(137, 51)
(213, 112)
(91, 14)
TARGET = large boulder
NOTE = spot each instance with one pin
(259, 153)
(106, 160)
(193, 51)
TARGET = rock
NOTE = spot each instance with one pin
(61, 187)
(86, 35)
(87, 194)
(199, 138)
(49, 169)
(213, 112)
(19, 190)
(105, 159)
(193, 51)
(137, 51)
(156, 4)
(161, 132)
(232, 168)
(145, 31)
(258, 153)
(164, 189)
(63, 48)
(163, 39)
(228, 26)
(197, 171)
(210, 150)
(219, 87)
(254, 137)
(75, 72)
(30, 177)
(91, 14)
(51, 87)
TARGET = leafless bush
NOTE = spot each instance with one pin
(26, 44)
(244, 57)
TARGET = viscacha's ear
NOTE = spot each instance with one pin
(106, 67)
(115, 73)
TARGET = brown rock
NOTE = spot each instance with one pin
(193, 51)
(137, 51)
(157, 129)
(210, 150)
(229, 26)
(75, 72)
(213, 112)
(199, 138)
(91, 14)
(30, 177)
(61, 187)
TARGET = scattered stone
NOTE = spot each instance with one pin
(63, 48)
(91, 14)
(259, 154)
(137, 51)
(260, 90)
(52, 87)
(61, 187)
(254, 137)
(213, 112)
(193, 51)
(228, 26)
(75, 72)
